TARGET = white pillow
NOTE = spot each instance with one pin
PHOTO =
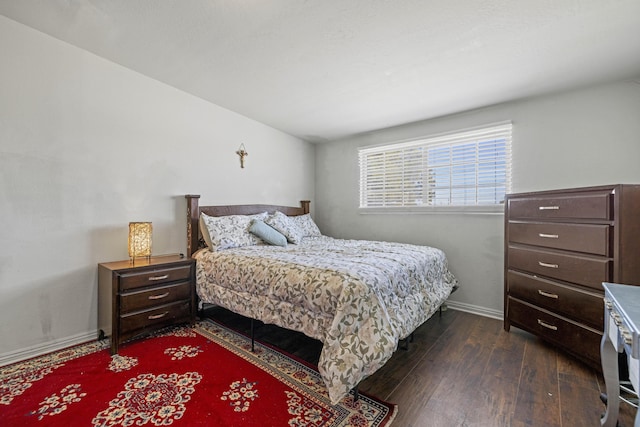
(305, 225)
(284, 225)
(231, 231)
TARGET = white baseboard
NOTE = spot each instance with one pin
(475, 309)
(48, 347)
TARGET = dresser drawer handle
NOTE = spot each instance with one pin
(548, 208)
(544, 264)
(548, 236)
(157, 316)
(547, 294)
(160, 296)
(158, 277)
(616, 318)
(546, 325)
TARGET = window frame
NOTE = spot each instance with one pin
(460, 137)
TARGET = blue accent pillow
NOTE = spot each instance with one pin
(267, 233)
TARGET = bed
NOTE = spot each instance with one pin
(359, 298)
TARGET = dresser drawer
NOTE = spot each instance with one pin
(143, 278)
(587, 238)
(588, 205)
(160, 295)
(585, 270)
(153, 318)
(571, 336)
(583, 306)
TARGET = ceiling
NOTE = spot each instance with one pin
(326, 69)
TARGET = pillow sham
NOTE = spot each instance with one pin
(284, 225)
(267, 233)
(231, 231)
(305, 225)
(204, 231)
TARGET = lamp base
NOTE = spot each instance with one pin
(146, 258)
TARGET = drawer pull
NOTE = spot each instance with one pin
(548, 208)
(157, 316)
(616, 318)
(546, 325)
(158, 277)
(547, 294)
(608, 304)
(544, 264)
(548, 236)
(160, 296)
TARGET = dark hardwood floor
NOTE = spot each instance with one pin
(465, 370)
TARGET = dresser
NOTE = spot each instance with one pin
(560, 246)
(135, 298)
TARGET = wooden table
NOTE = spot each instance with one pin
(621, 334)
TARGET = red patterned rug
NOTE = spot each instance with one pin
(205, 375)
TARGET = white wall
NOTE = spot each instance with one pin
(582, 138)
(87, 146)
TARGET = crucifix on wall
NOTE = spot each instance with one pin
(242, 152)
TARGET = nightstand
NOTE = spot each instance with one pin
(135, 299)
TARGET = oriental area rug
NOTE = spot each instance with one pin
(204, 375)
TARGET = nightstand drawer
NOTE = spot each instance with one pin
(569, 335)
(585, 270)
(160, 295)
(581, 305)
(156, 317)
(588, 205)
(156, 276)
(586, 238)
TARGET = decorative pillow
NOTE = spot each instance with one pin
(205, 232)
(284, 225)
(267, 233)
(230, 231)
(305, 224)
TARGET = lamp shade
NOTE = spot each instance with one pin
(140, 239)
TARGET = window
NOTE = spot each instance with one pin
(470, 168)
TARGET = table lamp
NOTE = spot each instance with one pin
(139, 240)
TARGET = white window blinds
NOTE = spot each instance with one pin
(469, 168)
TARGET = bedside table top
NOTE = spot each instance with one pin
(157, 260)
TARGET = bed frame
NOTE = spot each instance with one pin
(194, 236)
(195, 240)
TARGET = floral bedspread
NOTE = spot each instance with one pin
(359, 298)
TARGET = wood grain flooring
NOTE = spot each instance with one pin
(465, 370)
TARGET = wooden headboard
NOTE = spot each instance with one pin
(193, 215)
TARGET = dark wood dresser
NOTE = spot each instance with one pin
(560, 246)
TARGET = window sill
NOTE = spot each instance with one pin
(429, 210)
